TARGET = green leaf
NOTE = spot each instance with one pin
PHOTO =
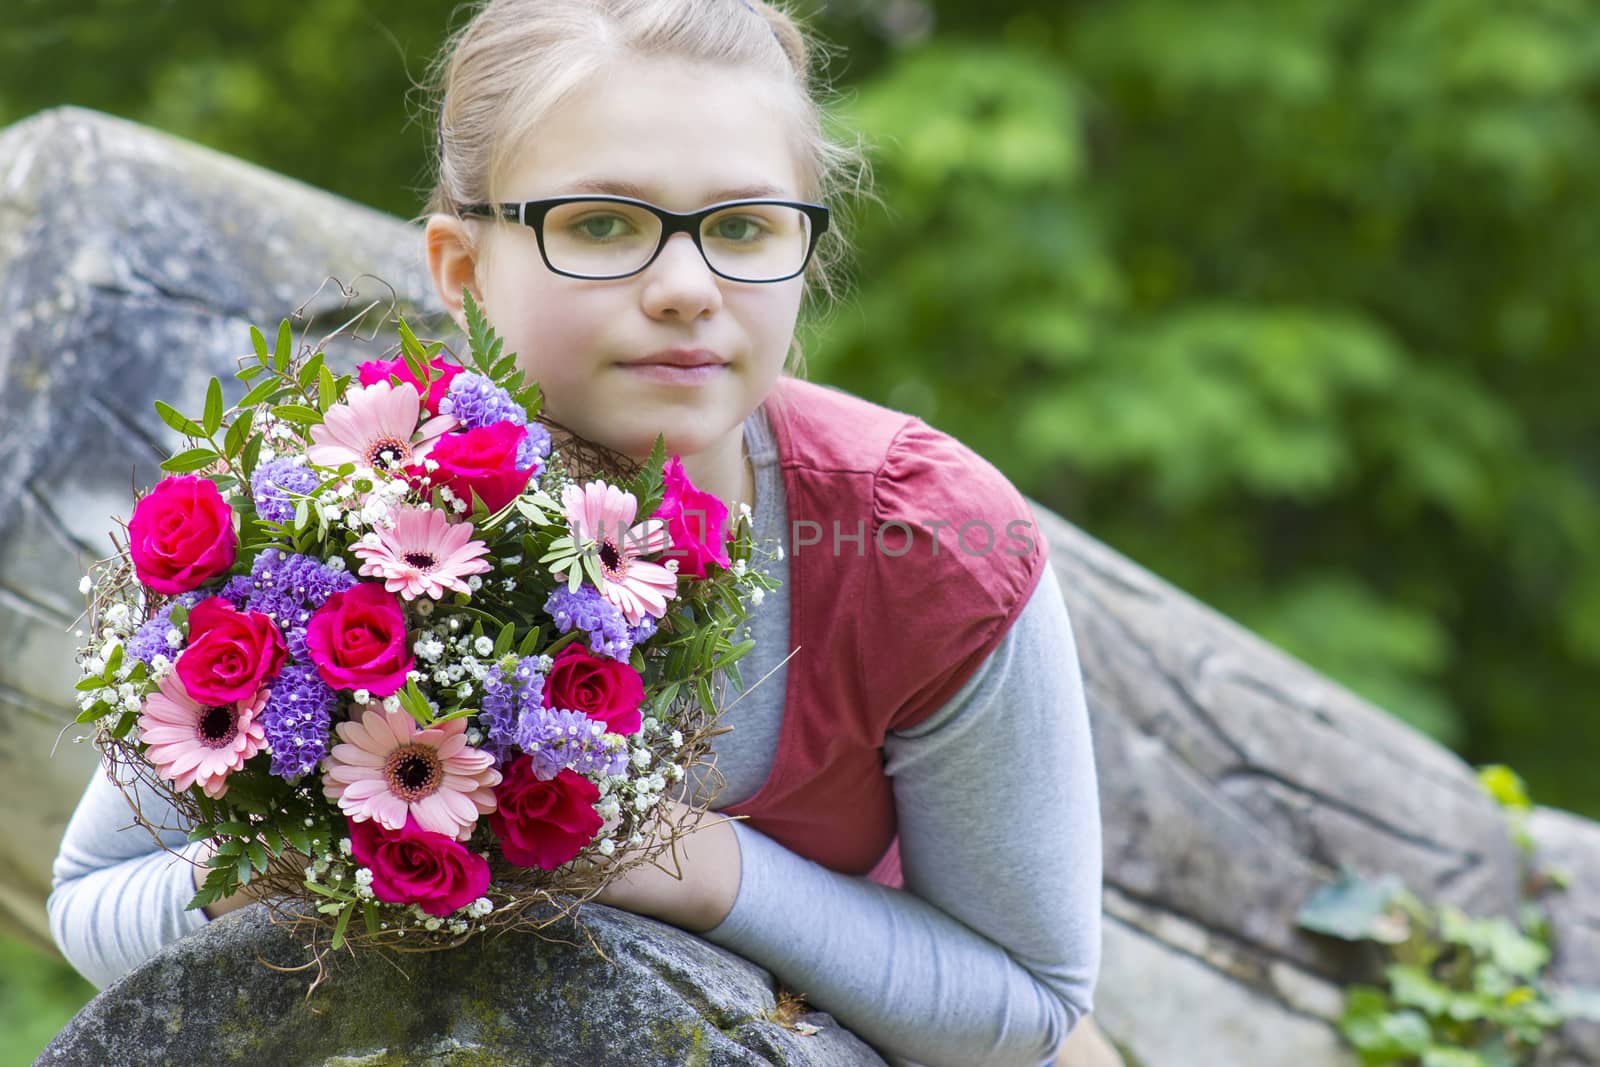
(733, 655)
(503, 643)
(261, 392)
(178, 421)
(530, 642)
(191, 460)
(284, 350)
(1354, 909)
(1505, 785)
(212, 420)
(1414, 987)
(327, 390)
(299, 838)
(591, 567)
(298, 413)
(252, 453)
(205, 895)
(308, 372)
(1442, 1056)
(369, 915)
(93, 712)
(90, 684)
(238, 433)
(242, 870)
(259, 341)
(258, 856)
(248, 374)
(339, 927)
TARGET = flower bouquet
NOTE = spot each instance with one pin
(407, 660)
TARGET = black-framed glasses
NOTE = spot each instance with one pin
(606, 237)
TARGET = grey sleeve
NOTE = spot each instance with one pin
(991, 953)
(116, 897)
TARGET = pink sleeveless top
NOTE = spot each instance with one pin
(909, 558)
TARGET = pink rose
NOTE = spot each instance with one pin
(601, 688)
(441, 373)
(181, 535)
(696, 522)
(415, 866)
(231, 654)
(482, 460)
(358, 640)
(543, 823)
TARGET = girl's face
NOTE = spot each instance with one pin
(681, 138)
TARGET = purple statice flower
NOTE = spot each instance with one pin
(508, 702)
(533, 450)
(291, 588)
(150, 639)
(296, 720)
(559, 740)
(272, 483)
(587, 610)
(237, 589)
(643, 632)
(477, 402)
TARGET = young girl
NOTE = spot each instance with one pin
(929, 729)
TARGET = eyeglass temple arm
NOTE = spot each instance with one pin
(509, 212)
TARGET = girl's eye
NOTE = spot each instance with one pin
(739, 228)
(601, 227)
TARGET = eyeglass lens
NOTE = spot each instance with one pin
(750, 242)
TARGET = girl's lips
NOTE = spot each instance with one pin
(669, 374)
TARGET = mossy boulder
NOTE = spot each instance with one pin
(664, 997)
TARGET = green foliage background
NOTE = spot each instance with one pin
(1288, 300)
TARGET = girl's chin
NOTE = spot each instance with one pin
(683, 436)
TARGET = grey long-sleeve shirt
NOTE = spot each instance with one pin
(988, 956)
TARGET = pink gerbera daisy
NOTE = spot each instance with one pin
(388, 767)
(191, 743)
(425, 553)
(376, 427)
(603, 514)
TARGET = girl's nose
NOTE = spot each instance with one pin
(680, 284)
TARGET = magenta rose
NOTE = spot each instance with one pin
(481, 460)
(543, 823)
(231, 654)
(601, 688)
(440, 372)
(357, 639)
(696, 521)
(181, 535)
(416, 866)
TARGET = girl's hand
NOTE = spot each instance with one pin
(708, 855)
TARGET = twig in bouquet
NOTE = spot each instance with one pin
(747, 690)
(348, 294)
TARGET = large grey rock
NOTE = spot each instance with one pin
(666, 998)
(132, 265)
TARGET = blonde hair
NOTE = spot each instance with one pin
(514, 60)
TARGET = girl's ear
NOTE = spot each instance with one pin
(453, 263)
